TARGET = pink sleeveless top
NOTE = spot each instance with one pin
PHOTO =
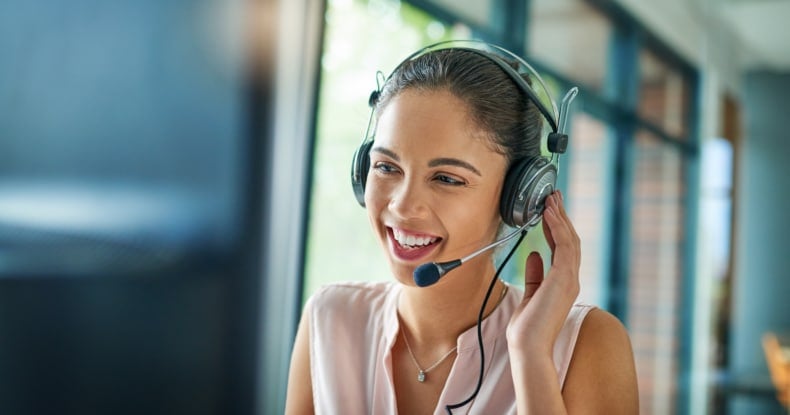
(354, 326)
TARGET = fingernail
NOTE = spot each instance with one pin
(560, 193)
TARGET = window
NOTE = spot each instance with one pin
(656, 237)
(588, 170)
(663, 95)
(572, 38)
(476, 12)
(361, 37)
(626, 191)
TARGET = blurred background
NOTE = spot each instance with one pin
(174, 184)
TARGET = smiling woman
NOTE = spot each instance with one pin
(427, 162)
(453, 155)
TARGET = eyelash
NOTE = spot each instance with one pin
(448, 180)
(385, 168)
(388, 169)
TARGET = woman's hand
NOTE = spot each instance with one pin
(537, 321)
(601, 378)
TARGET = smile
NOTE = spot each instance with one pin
(409, 246)
(412, 241)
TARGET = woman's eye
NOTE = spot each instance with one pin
(445, 179)
(385, 167)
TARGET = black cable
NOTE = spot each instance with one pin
(480, 328)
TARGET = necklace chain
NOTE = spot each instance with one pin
(422, 372)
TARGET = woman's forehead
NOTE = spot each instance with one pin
(433, 125)
(433, 116)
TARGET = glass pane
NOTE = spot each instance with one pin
(655, 270)
(361, 38)
(663, 95)
(477, 12)
(572, 38)
(588, 169)
(715, 201)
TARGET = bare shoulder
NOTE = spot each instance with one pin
(601, 329)
(602, 376)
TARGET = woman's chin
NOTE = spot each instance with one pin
(403, 274)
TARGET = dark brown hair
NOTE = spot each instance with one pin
(497, 104)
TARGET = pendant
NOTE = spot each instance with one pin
(421, 377)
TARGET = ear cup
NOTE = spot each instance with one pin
(360, 164)
(524, 191)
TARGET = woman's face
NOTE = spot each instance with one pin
(432, 192)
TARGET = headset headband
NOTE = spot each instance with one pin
(557, 140)
(494, 54)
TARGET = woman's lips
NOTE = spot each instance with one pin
(411, 253)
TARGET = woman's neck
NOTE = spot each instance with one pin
(435, 316)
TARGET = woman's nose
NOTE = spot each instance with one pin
(408, 200)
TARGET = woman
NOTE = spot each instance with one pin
(450, 123)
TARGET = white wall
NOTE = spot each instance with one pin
(762, 264)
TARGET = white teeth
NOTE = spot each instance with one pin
(411, 240)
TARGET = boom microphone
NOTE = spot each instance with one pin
(427, 274)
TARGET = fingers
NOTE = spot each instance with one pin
(547, 230)
(533, 274)
(565, 249)
(564, 241)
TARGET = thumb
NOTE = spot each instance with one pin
(533, 274)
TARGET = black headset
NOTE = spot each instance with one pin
(528, 181)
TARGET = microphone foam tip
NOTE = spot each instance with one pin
(427, 274)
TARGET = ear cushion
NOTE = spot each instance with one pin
(510, 188)
(360, 164)
(526, 186)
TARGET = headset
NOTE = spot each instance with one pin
(528, 181)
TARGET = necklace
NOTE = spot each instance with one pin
(422, 372)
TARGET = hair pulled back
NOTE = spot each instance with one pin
(497, 104)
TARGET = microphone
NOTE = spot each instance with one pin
(427, 274)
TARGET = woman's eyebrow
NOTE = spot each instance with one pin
(447, 161)
(442, 161)
(387, 152)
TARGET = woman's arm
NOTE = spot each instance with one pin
(299, 399)
(538, 319)
(601, 378)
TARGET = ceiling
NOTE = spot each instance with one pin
(753, 34)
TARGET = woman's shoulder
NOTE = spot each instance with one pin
(596, 327)
(603, 356)
(602, 341)
(601, 329)
(352, 296)
(356, 309)
(585, 321)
